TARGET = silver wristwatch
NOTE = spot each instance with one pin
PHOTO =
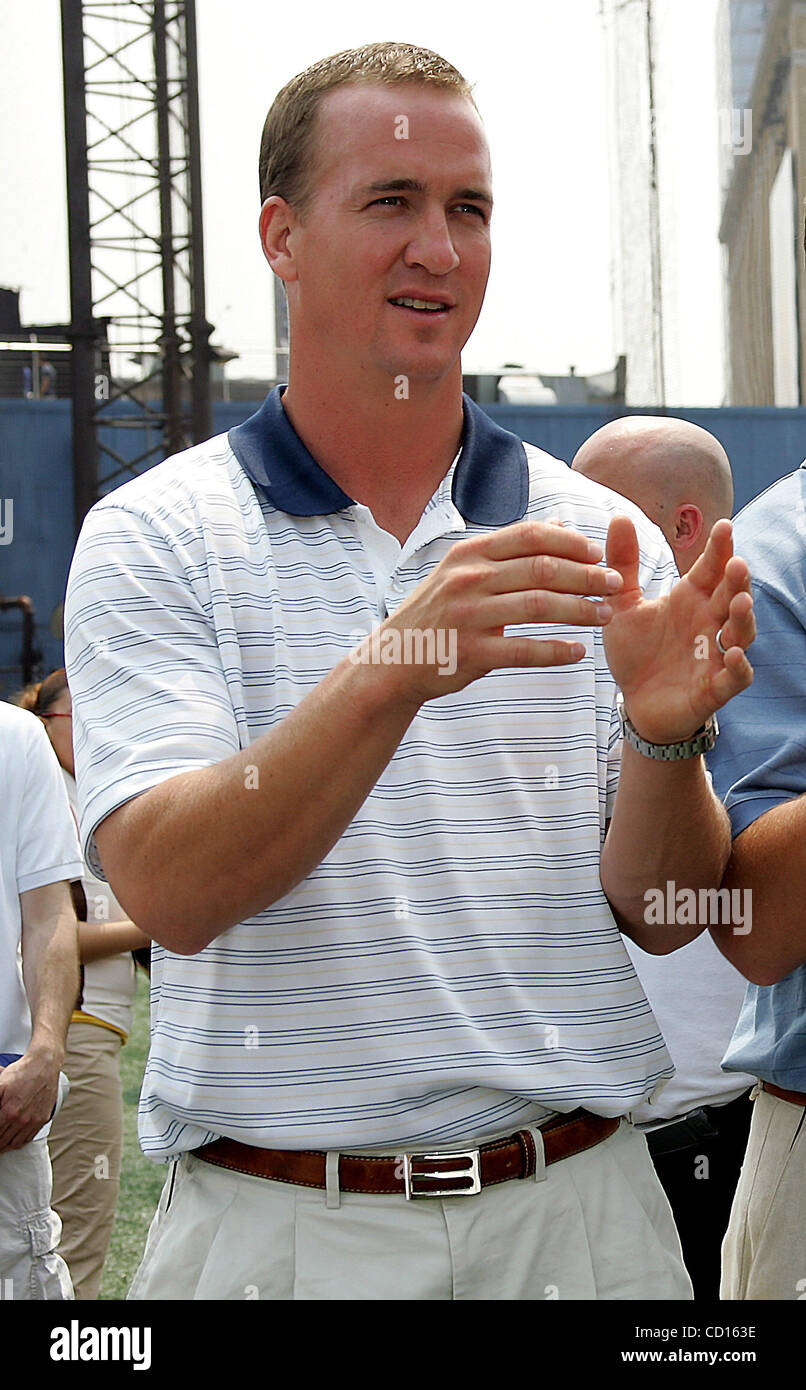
(702, 741)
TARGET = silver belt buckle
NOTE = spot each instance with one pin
(469, 1172)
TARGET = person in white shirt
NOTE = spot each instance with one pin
(377, 868)
(697, 1125)
(86, 1136)
(39, 859)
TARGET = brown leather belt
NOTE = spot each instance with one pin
(424, 1173)
(794, 1097)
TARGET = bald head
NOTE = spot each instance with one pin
(676, 472)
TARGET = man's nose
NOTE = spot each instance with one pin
(431, 245)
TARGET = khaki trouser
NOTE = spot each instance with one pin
(85, 1146)
(596, 1225)
(764, 1251)
(29, 1229)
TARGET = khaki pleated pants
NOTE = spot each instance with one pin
(85, 1147)
(764, 1251)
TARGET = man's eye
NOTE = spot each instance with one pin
(390, 200)
(472, 207)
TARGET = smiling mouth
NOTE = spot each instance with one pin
(424, 306)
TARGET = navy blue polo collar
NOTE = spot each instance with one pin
(490, 481)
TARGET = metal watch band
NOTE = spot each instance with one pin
(700, 742)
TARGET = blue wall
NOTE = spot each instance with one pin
(763, 443)
(36, 474)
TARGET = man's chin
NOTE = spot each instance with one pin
(421, 369)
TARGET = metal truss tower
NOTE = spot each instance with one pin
(141, 355)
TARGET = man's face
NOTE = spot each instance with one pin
(400, 210)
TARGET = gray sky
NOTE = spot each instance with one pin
(538, 69)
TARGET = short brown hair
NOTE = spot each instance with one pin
(42, 694)
(286, 146)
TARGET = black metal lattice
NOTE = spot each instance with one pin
(139, 333)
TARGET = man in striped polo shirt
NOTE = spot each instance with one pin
(348, 746)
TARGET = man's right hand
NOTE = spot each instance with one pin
(532, 572)
(28, 1092)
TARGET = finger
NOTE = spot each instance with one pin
(736, 580)
(739, 630)
(20, 1138)
(8, 1133)
(708, 570)
(550, 572)
(541, 606)
(538, 538)
(502, 652)
(736, 675)
(622, 551)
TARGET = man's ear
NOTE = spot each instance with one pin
(688, 524)
(277, 221)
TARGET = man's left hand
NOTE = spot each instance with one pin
(663, 652)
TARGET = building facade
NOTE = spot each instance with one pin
(664, 133)
(764, 187)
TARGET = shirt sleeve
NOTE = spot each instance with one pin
(150, 695)
(47, 843)
(759, 759)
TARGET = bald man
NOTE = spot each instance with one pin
(676, 472)
(680, 476)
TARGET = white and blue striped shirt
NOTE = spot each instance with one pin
(452, 965)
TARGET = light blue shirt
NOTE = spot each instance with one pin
(759, 760)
